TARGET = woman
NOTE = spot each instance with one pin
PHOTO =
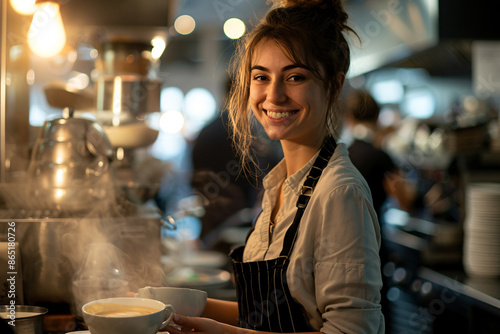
(311, 262)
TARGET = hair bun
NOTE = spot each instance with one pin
(333, 9)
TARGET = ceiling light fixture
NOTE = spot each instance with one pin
(46, 35)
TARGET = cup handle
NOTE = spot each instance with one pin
(169, 309)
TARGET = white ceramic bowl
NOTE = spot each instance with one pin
(188, 302)
(98, 322)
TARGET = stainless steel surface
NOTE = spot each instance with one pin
(8, 274)
(52, 249)
(123, 57)
(3, 75)
(25, 323)
(137, 95)
(77, 130)
(117, 13)
(14, 96)
(59, 95)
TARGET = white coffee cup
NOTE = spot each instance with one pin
(188, 302)
(126, 315)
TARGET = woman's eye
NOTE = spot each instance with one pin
(259, 78)
(296, 78)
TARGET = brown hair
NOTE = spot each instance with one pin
(310, 32)
(361, 105)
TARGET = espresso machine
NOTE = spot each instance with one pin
(82, 228)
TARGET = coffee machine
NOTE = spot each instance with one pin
(53, 238)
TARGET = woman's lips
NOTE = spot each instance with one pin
(279, 115)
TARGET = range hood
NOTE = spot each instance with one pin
(437, 35)
(117, 19)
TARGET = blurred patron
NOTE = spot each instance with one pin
(384, 178)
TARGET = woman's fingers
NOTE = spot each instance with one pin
(187, 324)
(196, 325)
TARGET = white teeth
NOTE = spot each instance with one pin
(278, 115)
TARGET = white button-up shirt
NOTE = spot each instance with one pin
(334, 270)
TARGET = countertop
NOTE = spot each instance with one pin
(425, 277)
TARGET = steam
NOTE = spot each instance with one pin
(112, 248)
(114, 251)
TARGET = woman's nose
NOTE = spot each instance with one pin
(276, 92)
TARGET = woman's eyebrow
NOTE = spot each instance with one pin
(286, 68)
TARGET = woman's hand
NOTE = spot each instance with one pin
(199, 325)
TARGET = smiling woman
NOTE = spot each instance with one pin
(311, 260)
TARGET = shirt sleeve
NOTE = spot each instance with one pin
(347, 268)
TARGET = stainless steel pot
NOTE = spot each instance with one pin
(28, 319)
(52, 250)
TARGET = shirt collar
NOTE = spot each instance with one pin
(278, 173)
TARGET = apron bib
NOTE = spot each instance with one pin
(264, 299)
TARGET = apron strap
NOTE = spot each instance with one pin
(306, 192)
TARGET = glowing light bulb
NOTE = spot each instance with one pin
(46, 36)
(24, 7)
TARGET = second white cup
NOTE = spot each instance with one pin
(188, 302)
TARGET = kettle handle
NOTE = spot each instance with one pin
(98, 143)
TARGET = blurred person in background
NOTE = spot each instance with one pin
(384, 178)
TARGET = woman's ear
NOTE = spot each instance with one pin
(339, 82)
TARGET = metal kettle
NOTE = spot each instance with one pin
(70, 164)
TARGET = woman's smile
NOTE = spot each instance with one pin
(280, 115)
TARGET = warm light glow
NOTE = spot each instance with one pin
(234, 28)
(158, 47)
(171, 121)
(59, 193)
(117, 100)
(46, 36)
(78, 81)
(24, 7)
(184, 24)
(60, 177)
(120, 153)
(94, 53)
(30, 77)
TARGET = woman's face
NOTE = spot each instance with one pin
(287, 99)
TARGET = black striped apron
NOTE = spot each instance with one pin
(264, 299)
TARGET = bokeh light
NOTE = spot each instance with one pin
(184, 24)
(234, 28)
(171, 121)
